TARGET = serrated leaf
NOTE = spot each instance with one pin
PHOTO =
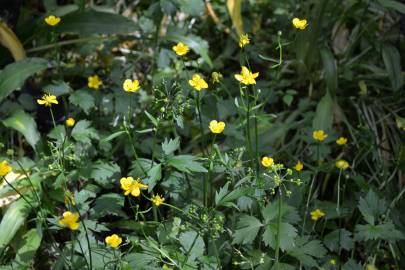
(248, 227)
(308, 251)
(102, 172)
(108, 204)
(225, 198)
(14, 75)
(371, 207)
(57, 88)
(154, 175)
(337, 239)
(192, 7)
(384, 231)
(186, 163)
(288, 213)
(287, 235)
(170, 146)
(83, 99)
(83, 132)
(25, 124)
(193, 244)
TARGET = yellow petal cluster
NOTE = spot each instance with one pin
(317, 214)
(217, 127)
(157, 200)
(131, 186)
(300, 24)
(299, 166)
(244, 40)
(70, 122)
(267, 162)
(341, 141)
(52, 20)
(131, 86)
(47, 100)
(113, 241)
(246, 76)
(319, 135)
(4, 168)
(70, 220)
(342, 164)
(198, 83)
(94, 82)
(181, 49)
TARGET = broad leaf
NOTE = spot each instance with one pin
(25, 124)
(287, 234)
(248, 227)
(186, 163)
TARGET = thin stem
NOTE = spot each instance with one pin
(53, 118)
(134, 150)
(278, 229)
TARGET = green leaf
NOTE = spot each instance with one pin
(108, 204)
(287, 234)
(31, 242)
(12, 221)
(186, 163)
(82, 99)
(192, 7)
(25, 124)
(154, 175)
(330, 69)
(152, 119)
(169, 147)
(57, 88)
(196, 43)
(226, 198)
(337, 239)
(89, 22)
(248, 227)
(193, 244)
(113, 136)
(384, 231)
(82, 132)
(372, 207)
(14, 75)
(288, 213)
(102, 172)
(398, 6)
(352, 265)
(306, 252)
(324, 114)
(392, 61)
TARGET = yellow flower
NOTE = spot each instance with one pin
(246, 76)
(300, 24)
(217, 127)
(371, 267)
(267, 162)
(244, 40)
(52, 20)
(131, 86)
(94, 82)
(341, 141)
(70, 122)
(319, 135)
(342, 164)
(47, 100)
(70, 220)
(4, 168)
(129, 185)
(113, 241)
(181, 49)
(317, 214)
(332, 262)
(299, 166)
(157, 200)
(216, 77)
(198, 83)
(166, 267)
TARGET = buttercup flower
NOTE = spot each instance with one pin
(131, 86)
(94, 82)
(216, 77)
(70, 220)
(244, 40)
(317, 214)
(181, 49)
(129, 185)
(47, 100)
(198, 83)
(4, 168)
(70, 122)
(52, 20)
(246, 76)
(113, 241)
(319, 135)
(342, 164)
(299, 166)
(267, 162)
(217, 127)
(157, 200)
(341, 141)
(300, 24)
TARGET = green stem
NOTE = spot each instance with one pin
(134, 150)
(87, 237)
(278, 230)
